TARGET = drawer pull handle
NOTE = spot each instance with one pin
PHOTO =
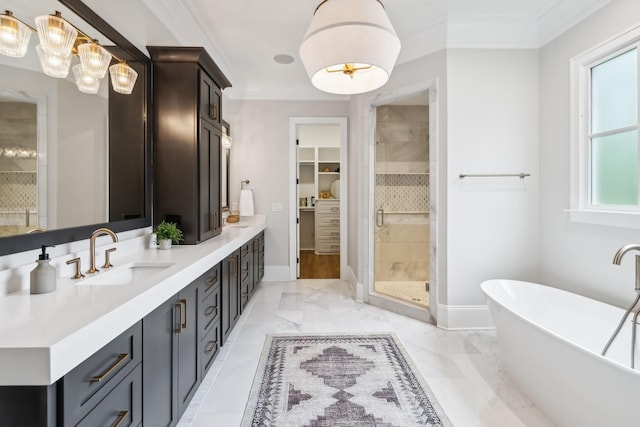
(212, 280)
(210, 311)
(335, 221)
(184, 324)
(234, 262)
(122, 415)
(335, 234)
(210, 347)
(334, 209)
(108, 372)
(181, 313)
(213, 112)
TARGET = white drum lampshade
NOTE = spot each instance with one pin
(350, 46)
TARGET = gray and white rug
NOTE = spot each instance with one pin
(339, 381)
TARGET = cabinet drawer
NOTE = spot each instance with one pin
(331, 232)
(328, 247)
(210, 347)
(326, 207)
(121, 407)
(88, 383)
(210, 280)
(209, 310)
(327, 220)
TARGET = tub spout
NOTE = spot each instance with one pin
(617, 259)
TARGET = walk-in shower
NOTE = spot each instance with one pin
(402, 203)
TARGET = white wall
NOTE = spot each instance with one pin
(260, 153)
(574, 256)
(492, 127)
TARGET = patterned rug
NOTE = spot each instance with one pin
(339, 381)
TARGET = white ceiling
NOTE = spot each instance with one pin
(243, 36)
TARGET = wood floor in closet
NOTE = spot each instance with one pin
(314, 266)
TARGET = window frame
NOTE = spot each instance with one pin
(581, 209)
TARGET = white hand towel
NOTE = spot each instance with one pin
(246, 203)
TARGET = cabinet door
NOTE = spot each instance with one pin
(255, 246)
(210, 100)
(209, 181)
(160, 376)
(230, 294)
(188, 355)
(246, 275)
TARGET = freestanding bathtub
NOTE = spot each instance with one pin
(550, 342)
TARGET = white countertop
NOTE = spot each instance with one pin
(43, 337)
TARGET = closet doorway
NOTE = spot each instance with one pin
(318, 198)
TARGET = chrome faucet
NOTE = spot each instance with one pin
(92, 246)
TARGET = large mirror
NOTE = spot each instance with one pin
(70, 161)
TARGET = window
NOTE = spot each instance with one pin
(605, 153)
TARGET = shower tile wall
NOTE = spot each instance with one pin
(402, 252)
(402, 186)
(402, 138)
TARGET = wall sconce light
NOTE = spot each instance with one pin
(59, 42)
(350, 46)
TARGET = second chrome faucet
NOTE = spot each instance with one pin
(92, 248)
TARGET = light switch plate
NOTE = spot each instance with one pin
(277, 207)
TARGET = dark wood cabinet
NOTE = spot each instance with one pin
(160, 407)
(187, 105)
(171, 367)
(230, 294)
(246, 275)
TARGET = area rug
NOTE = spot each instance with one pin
(339, 381)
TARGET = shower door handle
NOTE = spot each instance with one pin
(379, 217)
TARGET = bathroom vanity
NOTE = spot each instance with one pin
(130, 344)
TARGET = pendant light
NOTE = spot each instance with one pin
(350, 46)
(123, 78)
(14, 36)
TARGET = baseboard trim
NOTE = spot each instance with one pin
(464, 317)
(276, 273)
(357, 289)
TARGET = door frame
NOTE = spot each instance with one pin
(370, 296)
(294, 212)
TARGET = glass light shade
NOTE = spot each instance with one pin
(14, 36)
(350, 33)
(123, 78)
(54, 65)
(56, 35)
(94, 58)
(226, 141)
(86, 82)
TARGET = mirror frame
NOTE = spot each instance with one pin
(26, 242)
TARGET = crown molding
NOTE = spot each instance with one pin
(565, 15)
(184, 27)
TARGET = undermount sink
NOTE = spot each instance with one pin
(126, 274)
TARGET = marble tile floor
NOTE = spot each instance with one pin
(461, 367)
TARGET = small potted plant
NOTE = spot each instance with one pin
(168, 232)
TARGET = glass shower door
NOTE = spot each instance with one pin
(401, 230)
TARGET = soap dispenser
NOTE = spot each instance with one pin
(43, 277)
